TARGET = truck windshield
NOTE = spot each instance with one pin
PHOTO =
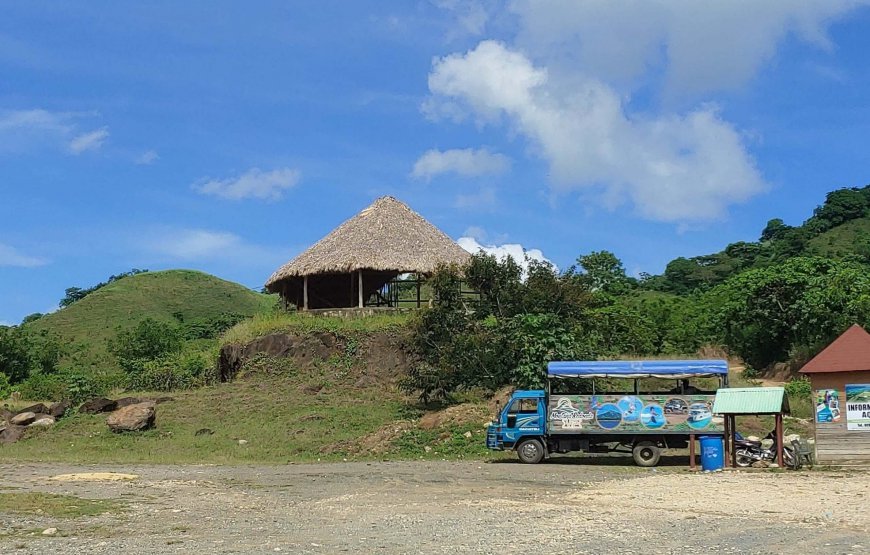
(524, 406)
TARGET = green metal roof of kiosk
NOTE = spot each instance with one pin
(751, 400)
(668, 369)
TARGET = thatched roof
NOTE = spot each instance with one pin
(386, 236)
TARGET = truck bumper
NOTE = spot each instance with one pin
(493, 440)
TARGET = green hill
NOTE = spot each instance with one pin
(850, 238)
(839, 229)
(171, 296)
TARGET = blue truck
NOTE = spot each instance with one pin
(539, 423)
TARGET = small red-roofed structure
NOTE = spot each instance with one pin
(840, 377)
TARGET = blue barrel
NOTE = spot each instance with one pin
(712, 453)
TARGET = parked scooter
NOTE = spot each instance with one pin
(748, 452)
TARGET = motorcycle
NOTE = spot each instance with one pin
(748, 452)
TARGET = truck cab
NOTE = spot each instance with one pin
(521, 425)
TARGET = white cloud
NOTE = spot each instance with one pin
(481, 235)
(194, 244)
(254, 183)
(470, 15)
(566, 80)
(700, 46)
(26, 130)
(91, 140)
(520, 254)
(670, 167)
(464, 162)
(147, 158)
(10, 256)
(37, 119)
(172, 245)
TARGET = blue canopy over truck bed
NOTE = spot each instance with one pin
(537, 423)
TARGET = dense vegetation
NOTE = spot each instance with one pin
(777, 300)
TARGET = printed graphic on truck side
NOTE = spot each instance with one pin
(632, 413)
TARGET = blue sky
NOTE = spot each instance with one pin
(227, 137)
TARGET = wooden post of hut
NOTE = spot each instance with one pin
(840, 384)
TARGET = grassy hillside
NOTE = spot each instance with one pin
(167, 296)
(847, 239)
(280, 413)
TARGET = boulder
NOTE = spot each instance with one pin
(12, 434)
(126, 402)
(98, 405)
(760, 464)
(132, 418)
(23, 418)
(38, 408)
(57, 410)
(43, 421)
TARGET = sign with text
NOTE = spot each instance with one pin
(858, 407)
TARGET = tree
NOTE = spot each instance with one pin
(774, 229)
(766, 314)
(16, 360)
(840, 207)
(147, 341)
(604, 272)
(499, 282)
(31, 318)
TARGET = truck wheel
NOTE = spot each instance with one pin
(646, 453)
(530, 451)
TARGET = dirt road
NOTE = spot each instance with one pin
(442, 507)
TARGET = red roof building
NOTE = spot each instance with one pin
(848, 353)
(840, 378)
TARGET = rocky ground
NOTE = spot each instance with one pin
(581, 505)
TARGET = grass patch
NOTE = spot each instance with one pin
(453, 442)
(279, 321)
(58, 506)
(277, 419)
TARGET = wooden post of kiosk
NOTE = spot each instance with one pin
(779, 439)
(726, 441)
(733, 438)
(692, 464)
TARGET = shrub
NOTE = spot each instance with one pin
(81, 387)
(5, 388)
(176, 371)
(799, 388)
(43, 387)
(148, 341)
(16, 356)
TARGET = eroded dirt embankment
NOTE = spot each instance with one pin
(383, 356)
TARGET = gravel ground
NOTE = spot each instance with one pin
(576, 506)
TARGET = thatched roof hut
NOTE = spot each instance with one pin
(357, 259)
